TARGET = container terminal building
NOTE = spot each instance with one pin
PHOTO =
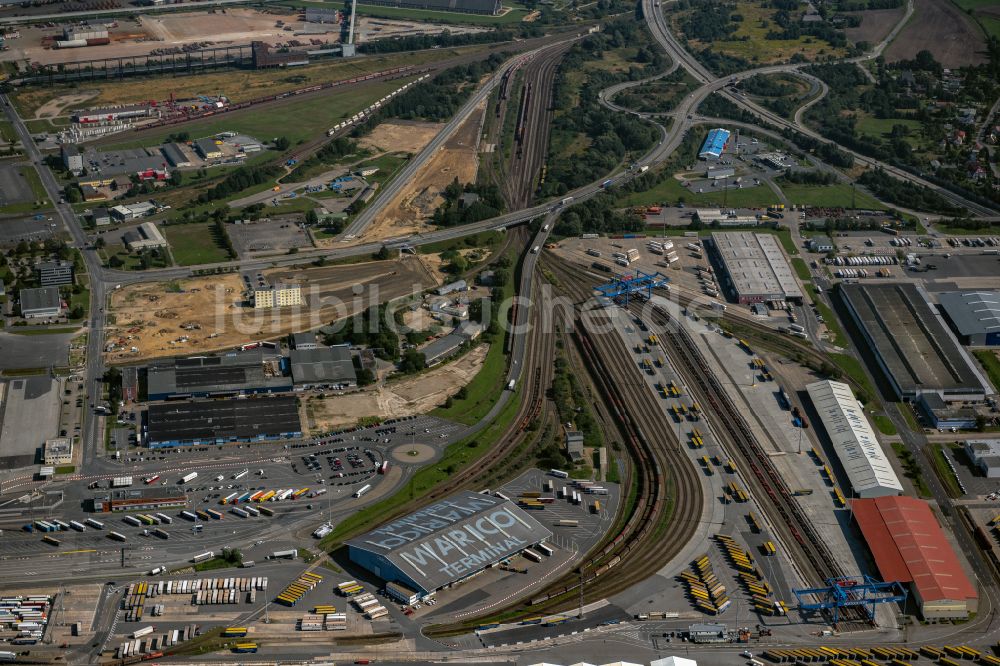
(753, 267)
(853, 440)
(909, 546)
(913, 346)
(447, 542)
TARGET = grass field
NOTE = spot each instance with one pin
(311, 116)
(671, 191)
(515, 14)
(884, 424)
(193, 244)
(881, 128)
(853, 368)
(911, 469)
(801, 269)
(829, 196)
(237, 85)
(750, 39)
(991, 364)
(990, 25)
(975, 4)
(943, 470)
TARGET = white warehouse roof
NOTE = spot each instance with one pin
(853, 439)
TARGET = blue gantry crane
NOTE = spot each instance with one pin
(626, 285)
(851, 592)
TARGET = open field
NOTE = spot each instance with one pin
(152, 316)
(513, 13)
(990, 23)
(414, 395)
(458, 158)
(943, 29)
(750, 40)
(670, 191)
(990, 360)
(313, 115)
(193, 244)
(881, 127)
(876, 24)
(237, 85)
(830, 196)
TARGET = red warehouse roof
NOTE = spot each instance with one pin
(910, 546)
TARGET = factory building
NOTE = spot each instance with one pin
(145, 236)
(447, 542)
(974, 316)
(753, 267)
(441, 349)
(138, 499)
(277, 296)
(853, 440)
(236, 373)
(913, 347)
(174, 155)
(909, 546)
(985, 454)
(208, 149)
(490, 7)
(222, 421)
(106, 114)
(715, 144)
(40, 303)
(323, 367)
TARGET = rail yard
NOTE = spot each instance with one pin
(700, 383)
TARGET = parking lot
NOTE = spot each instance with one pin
(14, 187)
(13, 230)
(268, 236)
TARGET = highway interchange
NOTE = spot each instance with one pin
(684, 117)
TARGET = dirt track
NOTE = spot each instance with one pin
(944, 30)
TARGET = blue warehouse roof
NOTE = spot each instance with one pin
(715, 143)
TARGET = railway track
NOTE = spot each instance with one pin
(727, 422)
(669, 491)
(816, 561)
(531, 132)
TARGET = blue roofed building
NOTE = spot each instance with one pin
(714, 144)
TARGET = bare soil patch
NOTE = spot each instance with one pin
(409, 211)
(57, 106)
(208, 314)
(401, 136)
(943, 29)
(416, 395)
(875, 24)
